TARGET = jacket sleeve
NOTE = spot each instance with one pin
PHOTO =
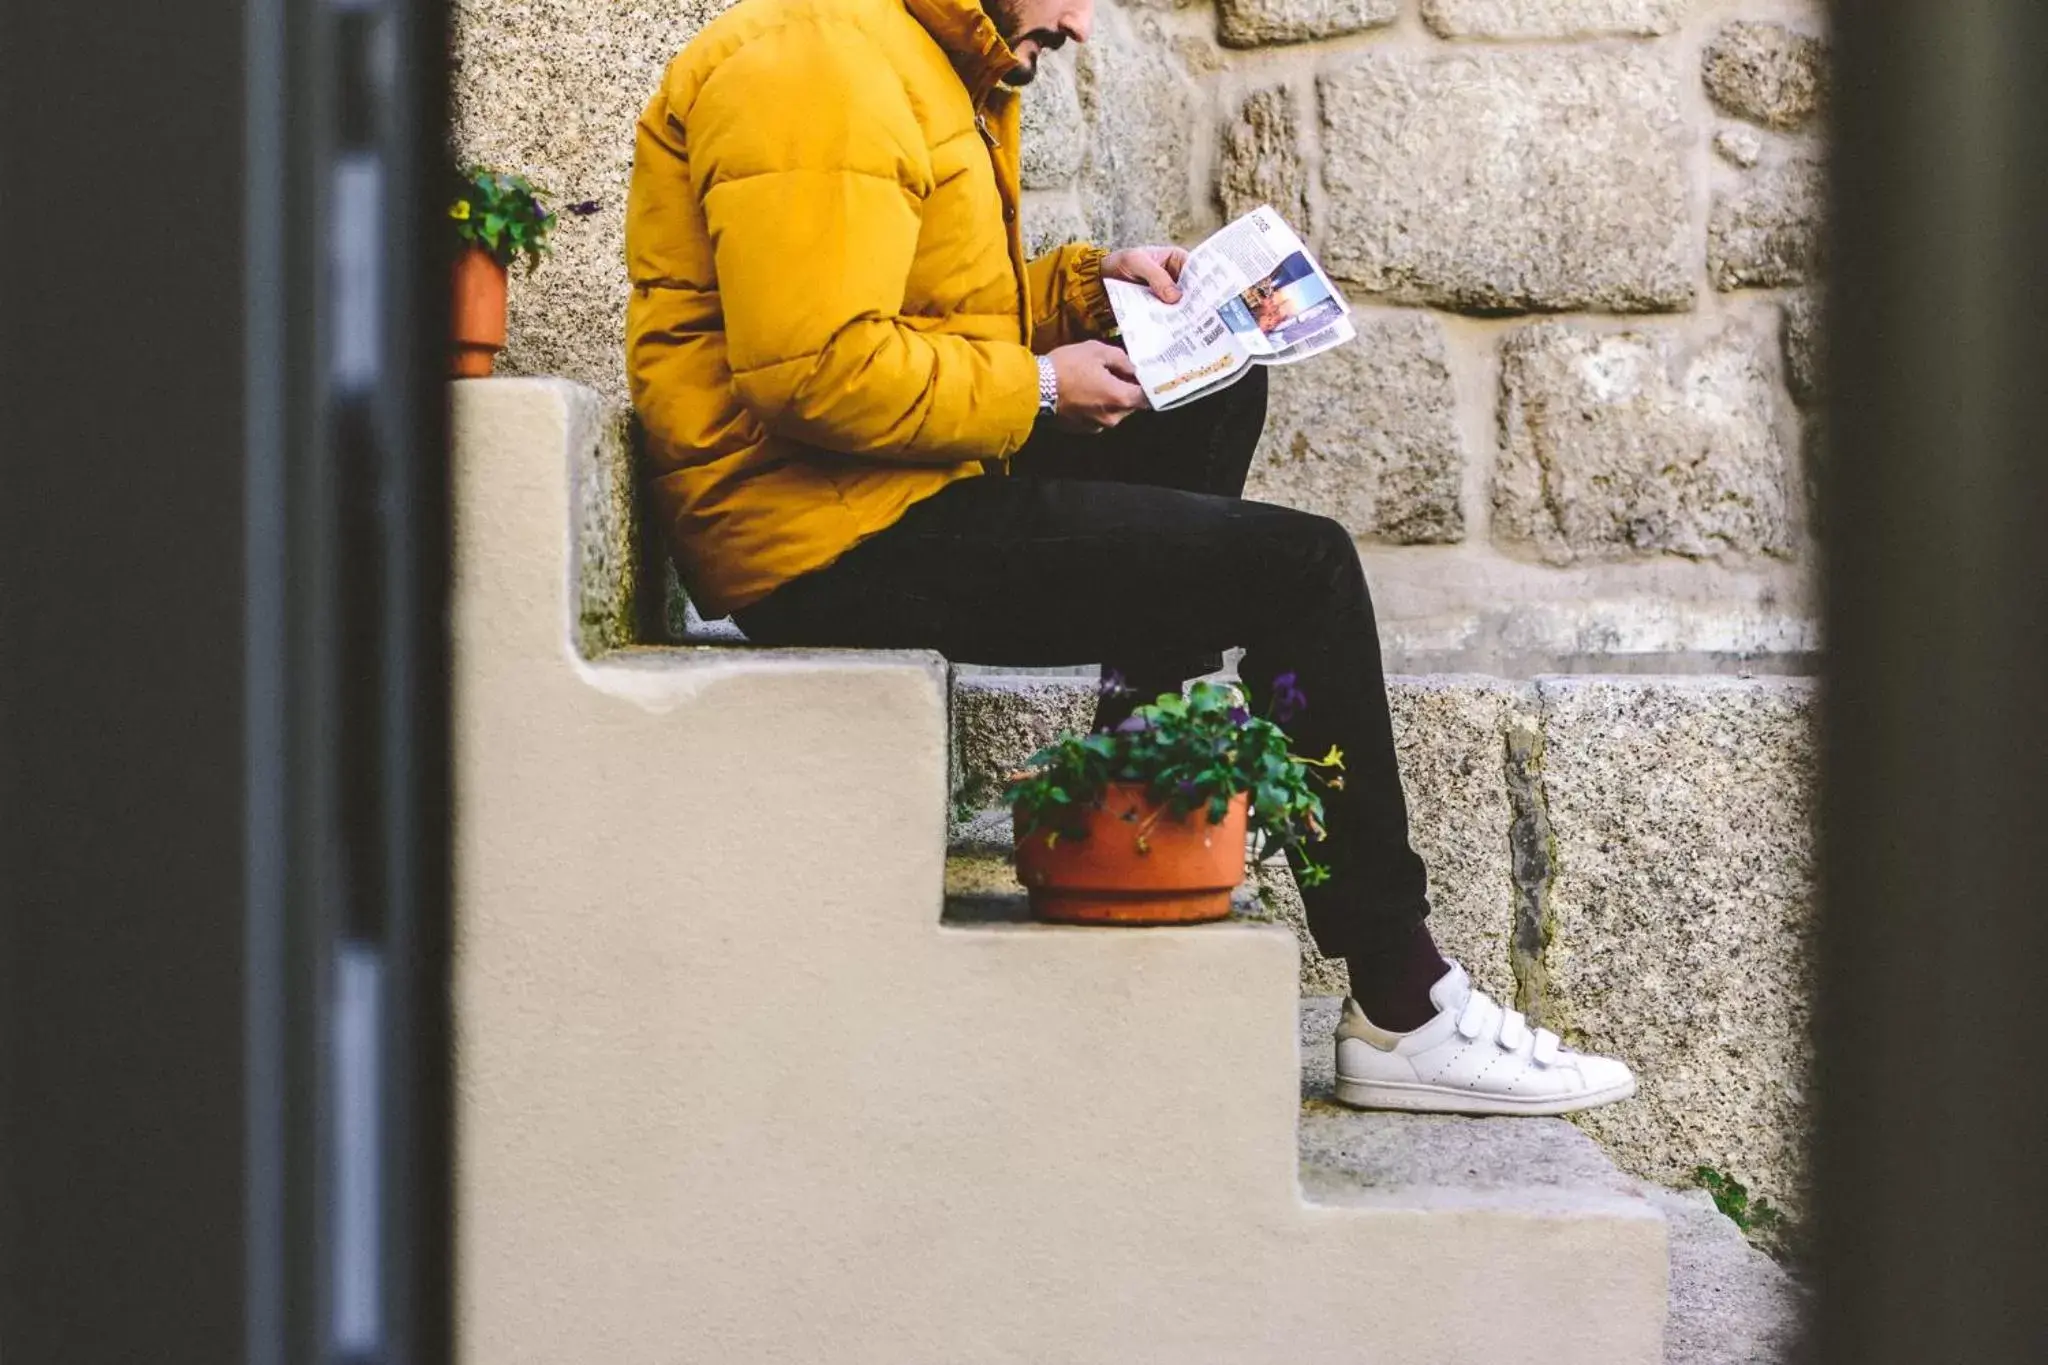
(813, 175)
(1068, 302)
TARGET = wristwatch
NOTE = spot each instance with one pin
(1048, 387)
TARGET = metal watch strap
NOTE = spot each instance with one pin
(1048, 387)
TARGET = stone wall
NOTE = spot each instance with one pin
(1580, 236)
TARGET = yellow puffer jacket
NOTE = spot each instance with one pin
(832, 317)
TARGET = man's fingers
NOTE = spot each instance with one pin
(1114, 391)
(1176, 258)
(1117, 414)
(1162, 285)
(1127, 398)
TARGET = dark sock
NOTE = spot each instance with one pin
(1112, 710)
(1119, 695)
(1393, 987)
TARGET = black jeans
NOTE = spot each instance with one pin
(1133, 549)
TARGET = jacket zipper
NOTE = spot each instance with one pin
(1023, 299)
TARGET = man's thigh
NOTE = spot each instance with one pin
(1043, 572)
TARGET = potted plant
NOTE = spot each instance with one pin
(498, 218)
(1147, 824)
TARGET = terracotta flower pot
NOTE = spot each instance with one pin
(1184, 875)
(477, 322)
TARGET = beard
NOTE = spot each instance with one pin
(1008, 21)
(1026, 70)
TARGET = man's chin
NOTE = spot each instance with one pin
(1026, 69)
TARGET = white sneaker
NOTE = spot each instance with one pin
(1473, 1058)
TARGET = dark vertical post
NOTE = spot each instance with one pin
(1931, 1178)
(347, 529)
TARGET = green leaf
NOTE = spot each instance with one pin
(507, 214)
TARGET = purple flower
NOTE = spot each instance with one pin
(1113, 684)
(585, 209)
(1238, 715)
(1186, 787)
(1133, 725)
(1288, 700)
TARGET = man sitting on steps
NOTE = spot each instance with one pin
(874, 423)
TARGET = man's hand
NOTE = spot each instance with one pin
(1098, 385)
(1157, 267)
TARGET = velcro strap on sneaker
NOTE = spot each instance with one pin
(1547, 1047)
(1479, 1017)
(1514, 1031)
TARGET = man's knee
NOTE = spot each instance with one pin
(1326, 539)
(1330, 556)
(1246, 398)
(1241, 402)
(1307, 548)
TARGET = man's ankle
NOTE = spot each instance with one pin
(1111, 712)
(1392, 986)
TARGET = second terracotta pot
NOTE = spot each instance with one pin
(477, 318)
(1184, 874)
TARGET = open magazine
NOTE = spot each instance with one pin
(1250, 295)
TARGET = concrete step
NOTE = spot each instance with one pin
(1729, 1302)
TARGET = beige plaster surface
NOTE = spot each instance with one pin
(729, 1092)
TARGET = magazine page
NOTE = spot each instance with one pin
(1287, 309)
(1334, 335)
(1251, 291)
(1179, 350)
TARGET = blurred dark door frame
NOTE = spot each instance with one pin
(223, 806)
(1932, 1158)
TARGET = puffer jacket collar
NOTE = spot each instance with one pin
(970, 38)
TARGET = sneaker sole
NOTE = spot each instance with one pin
(1416, 1097)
